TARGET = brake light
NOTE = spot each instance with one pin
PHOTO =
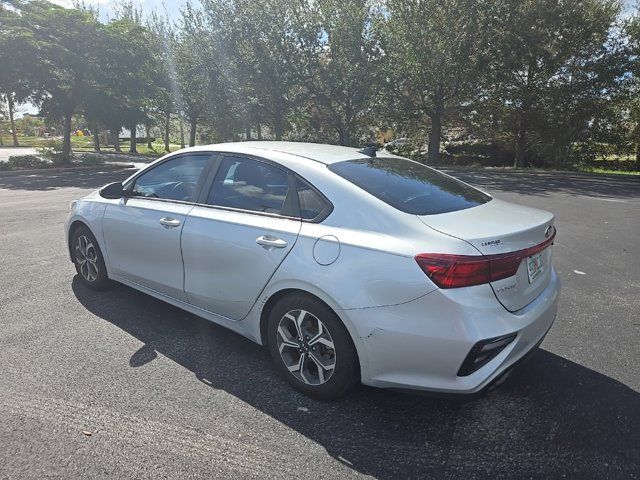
(454, 271)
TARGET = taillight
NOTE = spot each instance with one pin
(454, 271)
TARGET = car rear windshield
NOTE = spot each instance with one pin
(410, 186)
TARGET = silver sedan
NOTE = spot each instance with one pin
(351, 265)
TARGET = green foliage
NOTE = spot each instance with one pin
(550, 76)
(345, 71)
(25, 162)
(541, 82)
(53, 151)
(437, 57)
(201, 73)
(273, 46)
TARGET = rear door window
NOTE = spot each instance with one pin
(248, 184)
(410, 186)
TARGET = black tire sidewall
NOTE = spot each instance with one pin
(102, 281)
(346, 372)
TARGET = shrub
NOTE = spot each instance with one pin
(52, 151)
(26, 161)
(490, 153)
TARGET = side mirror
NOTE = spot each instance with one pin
(112, 191)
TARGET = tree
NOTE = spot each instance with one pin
(344, 76)
(437, 56)
(130, 66)
(551, 63)
(164, 101)
(3, 116)
(198, 72)
(63, 45)
(16, 75)
(628, 118)
(264, 41)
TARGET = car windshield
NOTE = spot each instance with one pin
(410, 186)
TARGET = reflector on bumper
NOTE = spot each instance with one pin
(483, 352)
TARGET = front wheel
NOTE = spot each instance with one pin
(312, 348)
(88, 260)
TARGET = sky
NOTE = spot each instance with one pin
(173, 6)
(106, 7)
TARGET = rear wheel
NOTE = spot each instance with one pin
(88, 259)
(312, 348)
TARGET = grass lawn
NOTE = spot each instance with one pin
(85, 144)
(608, 171)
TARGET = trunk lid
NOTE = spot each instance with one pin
(498, 227)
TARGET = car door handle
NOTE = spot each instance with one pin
(270, 242)
(169, 222)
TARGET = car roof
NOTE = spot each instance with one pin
(317, 152)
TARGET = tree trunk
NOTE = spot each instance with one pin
(12, 120)
(259, 130)
(192, 132)
(132, 146)
(181, 134)
(149, 145)
(433, 153)
(278, 123)
(115, 138)
(167, 125)
(341, 135)
(247, 132)
(521, 142)
(346, 136)
(278, 128)
(96, 139)
(66, 137)
(638, 156)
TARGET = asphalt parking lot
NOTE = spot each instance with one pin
(161, 393)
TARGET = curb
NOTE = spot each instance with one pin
(34, 171)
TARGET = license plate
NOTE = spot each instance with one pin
(534, 266)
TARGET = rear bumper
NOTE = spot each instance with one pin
(422, 344)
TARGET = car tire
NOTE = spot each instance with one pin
(88, 259)
(302, 326)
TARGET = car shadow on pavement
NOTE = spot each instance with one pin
(551, 418)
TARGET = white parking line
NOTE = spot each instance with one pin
(604, 199)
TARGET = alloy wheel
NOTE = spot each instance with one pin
(306, 347)
(87, 258)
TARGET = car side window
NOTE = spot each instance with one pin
(312, 205)
(248, 184)
(175, 179)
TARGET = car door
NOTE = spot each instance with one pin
(232, 245)
(142, 230)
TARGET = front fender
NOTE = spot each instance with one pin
(90, 214)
